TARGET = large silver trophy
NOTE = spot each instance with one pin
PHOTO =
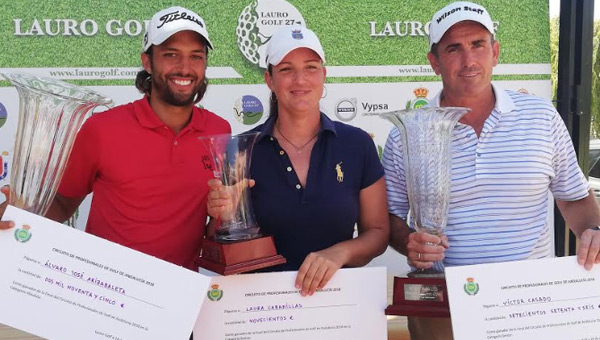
(50, 115)
(426, 136)
(237, 245)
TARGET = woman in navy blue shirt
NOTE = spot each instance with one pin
(315, 179)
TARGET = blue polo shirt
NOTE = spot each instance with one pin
(302, 220)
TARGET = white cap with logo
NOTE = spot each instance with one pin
(170, 21)
(454, 13)
(289, 38)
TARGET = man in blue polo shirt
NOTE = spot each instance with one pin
(507, 152)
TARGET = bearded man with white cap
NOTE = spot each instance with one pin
(142, 160)
(507, 152)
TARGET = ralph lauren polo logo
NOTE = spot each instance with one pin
(340, 173)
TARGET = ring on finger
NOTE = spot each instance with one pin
(419, 256)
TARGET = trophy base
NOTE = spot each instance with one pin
(239, 257)
(420, 296)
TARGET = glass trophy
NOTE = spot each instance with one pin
(50, 115)
(426, 138)
(237, 245)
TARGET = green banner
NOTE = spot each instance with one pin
(79, 35)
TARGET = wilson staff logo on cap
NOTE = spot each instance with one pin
(453, 14)
(170, 21)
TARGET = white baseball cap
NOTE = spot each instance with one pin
(289, 38)
(170, 21)
(454, 13)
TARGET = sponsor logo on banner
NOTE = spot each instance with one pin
(420, 98)
(23, 234)
(215, 294)
(471, 288)
(345, 109)
(258, 21)
(3, 165)
(3, 115)
(248, 110)
(374, 107)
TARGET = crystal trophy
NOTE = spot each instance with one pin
(426, 146)
(237, 245)
(50, 115)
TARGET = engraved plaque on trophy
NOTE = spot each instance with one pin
(50, 115)
(237, 245)
(426, 136)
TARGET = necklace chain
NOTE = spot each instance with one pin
(298, 148)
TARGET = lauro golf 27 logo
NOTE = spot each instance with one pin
(471, 288)
(215, 294)
(23, 234)
(257, 23)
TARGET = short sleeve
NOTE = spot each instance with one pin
(568, 183)
(373, 170)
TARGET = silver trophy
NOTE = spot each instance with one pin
(50, 114)
(426, 137)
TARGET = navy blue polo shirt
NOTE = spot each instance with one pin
(343, 161)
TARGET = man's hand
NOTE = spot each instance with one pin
(425, 249)
(588, 253)
(5, 224)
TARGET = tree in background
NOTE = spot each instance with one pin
(595, 107)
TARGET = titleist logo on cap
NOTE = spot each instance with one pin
(169, 17)
(458, 9)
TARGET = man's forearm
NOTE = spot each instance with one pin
(399, 231)
(63, 207)
(580, 215)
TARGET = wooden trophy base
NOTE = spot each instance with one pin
(239, 257)
(420, 296)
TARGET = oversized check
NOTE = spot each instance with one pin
(61, 283)
(266, 306)
(537, 299)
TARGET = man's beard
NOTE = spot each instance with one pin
(171, 97)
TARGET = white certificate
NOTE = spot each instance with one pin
(538, 299)
(266, 306)
(61, 283)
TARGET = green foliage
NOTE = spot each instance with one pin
(554, 54)
(595, 105)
